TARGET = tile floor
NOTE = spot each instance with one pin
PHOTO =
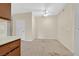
(44, 47)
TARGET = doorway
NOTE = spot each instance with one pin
(20, 29)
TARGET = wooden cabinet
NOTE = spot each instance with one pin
(15, 52)
(10, 49)
(5, 11)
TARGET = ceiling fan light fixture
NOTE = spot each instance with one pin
(45, 14)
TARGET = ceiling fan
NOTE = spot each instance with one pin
(45, 12)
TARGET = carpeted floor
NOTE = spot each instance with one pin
(43, 47)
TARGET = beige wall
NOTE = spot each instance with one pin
(46, 27)
(65, 27)
(27, 18)
(33, 28)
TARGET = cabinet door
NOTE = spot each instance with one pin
(5, 10)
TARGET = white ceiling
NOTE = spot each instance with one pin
(37, 9)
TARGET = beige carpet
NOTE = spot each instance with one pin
(44, 47)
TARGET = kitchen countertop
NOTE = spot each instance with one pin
(6, 39)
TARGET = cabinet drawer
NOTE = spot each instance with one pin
(13, 44)
(6, 48)
(15, 52)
